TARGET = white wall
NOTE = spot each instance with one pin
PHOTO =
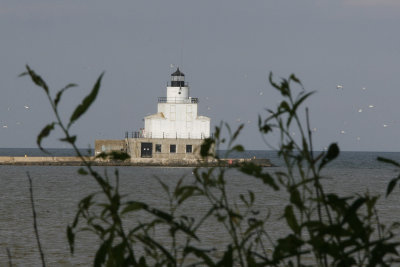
(173, 93)
(181, 121)
(177, 118)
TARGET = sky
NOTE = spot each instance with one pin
(226, 50)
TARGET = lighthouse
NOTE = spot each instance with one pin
(175, 133)
(171, 137)
(177, 114)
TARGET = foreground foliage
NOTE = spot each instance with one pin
(323, 229)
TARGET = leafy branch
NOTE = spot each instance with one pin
(324, 229)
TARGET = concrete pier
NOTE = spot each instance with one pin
(76, 161)
(67, 161)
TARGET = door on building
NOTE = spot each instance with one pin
(146, 150)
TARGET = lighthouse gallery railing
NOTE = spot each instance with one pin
(177, 135)
(189, 100)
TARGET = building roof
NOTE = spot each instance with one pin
(203, 118)
(177, 73)
(159, 115)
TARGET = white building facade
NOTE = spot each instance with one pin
(175, 133)
(177, 114)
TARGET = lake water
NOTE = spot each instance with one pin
(58, 189)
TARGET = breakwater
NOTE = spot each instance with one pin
(76, 161)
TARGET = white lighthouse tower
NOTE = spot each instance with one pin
(175, 132)
(177, 114)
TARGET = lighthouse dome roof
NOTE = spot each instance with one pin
(177, 73)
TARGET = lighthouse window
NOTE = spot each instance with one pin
(158, 148)
(188, 148)
(172, 148)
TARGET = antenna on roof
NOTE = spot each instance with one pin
(182, 44)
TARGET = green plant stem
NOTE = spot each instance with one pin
(231, 223)
(35, 221)
(9, 257)
(105, 187)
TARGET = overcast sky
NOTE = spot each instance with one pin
(226, 50)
